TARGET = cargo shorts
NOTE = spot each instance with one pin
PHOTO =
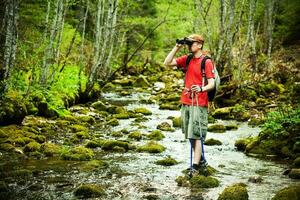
(194, 121)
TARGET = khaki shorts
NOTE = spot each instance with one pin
(194, 121)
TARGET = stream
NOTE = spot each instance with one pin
(134, 175)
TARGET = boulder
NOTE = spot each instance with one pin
(288, 193)
(216, 128)
(234, 192)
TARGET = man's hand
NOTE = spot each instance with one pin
(196, 88)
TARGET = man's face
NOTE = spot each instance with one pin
(196, 46)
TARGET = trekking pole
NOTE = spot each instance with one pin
(191, 152)
(201, 135)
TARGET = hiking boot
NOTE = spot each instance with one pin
(203, 170)
(193, 172)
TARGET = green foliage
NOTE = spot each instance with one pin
(277, 119)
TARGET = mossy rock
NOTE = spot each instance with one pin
(169, 106)
(135, 135)
(141, 81)
(297, 162)
(270, 87)
(222, 113)
(32, 146)
(89, 191)
(288, 193)
(166, 161)
(296, 147)
(183, 181)
(216, 128)
(78, 128)
(113, 122)
(121, 116)
(151, 147)
(211, 119)
(143, 111)
(78, 153)
(204, 182)
(117, 134)
(165, 126)
(212, 142)
(176, 122)
(82, 135)
(234, 192)
(94, 144)
(231, 127)
(86, 118)
(156, 135)
(294, 174)
(123, 82)
(140, 119)
(109, 145)
(6, 147)
(255, 121)
(241, 144)
(94, 165)
(100, 106)
(50, 149)
(210, 171)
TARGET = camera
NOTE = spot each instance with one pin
(185, 40)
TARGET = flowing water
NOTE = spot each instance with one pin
(134, 175)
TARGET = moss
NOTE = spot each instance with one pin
(78, 153)
(100, 106)
(255, 121)
(88, 119)
(143, 111)
(241, 144)
(113, 122)
(216, 128)
(121, 116)
(204, 182)
(3, 134)
(94, 144)
(211, 119)
(135, 135)
(6, 147)
(94, 165)
(297, 162)
(116, 134)
(182, 181)
(119, 149)
(89, 190)
(296, 147)
(234, 192)
(21, 173)
(288, 193)
(211, 142)
(140, 119)
(167, 161)
(176, 122)
(78, 128)
(141, 81)
(50, 149)
(151, 147)
(222, 113)
(294, 174)
(165, 126)
(32, 146)
(156, 135)
(169, 106)
(82, 135)
(231, 127)
(110, 144)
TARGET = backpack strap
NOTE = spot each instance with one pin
(188, 60)
(203, 69)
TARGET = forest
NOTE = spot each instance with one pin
(89, 110)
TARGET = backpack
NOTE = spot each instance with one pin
(212, 93)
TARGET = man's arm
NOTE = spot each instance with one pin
(170, 60)
(210, 85)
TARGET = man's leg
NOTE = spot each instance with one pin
(197, 151)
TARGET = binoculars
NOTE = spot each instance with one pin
(184, 41)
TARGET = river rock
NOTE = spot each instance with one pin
(294, 174)
(288, 193)
(255, 179)
(176, 121)
(78, 153)
(141, 81)
(296, 147)
(200, 181)
(100, 106)
(165, 126)
(231, 127)
(89, 191)
(222, 113)
(297, 162)
(135, 135)
(151, 147)
(216, 128)
(211, 142)
(156, 135)
(234, 192)
(143, 111)
(167, 161)
(159, 86)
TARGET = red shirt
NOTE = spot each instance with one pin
(194, 77)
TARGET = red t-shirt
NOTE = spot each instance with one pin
(194, 77)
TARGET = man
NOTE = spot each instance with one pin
(194, 97)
